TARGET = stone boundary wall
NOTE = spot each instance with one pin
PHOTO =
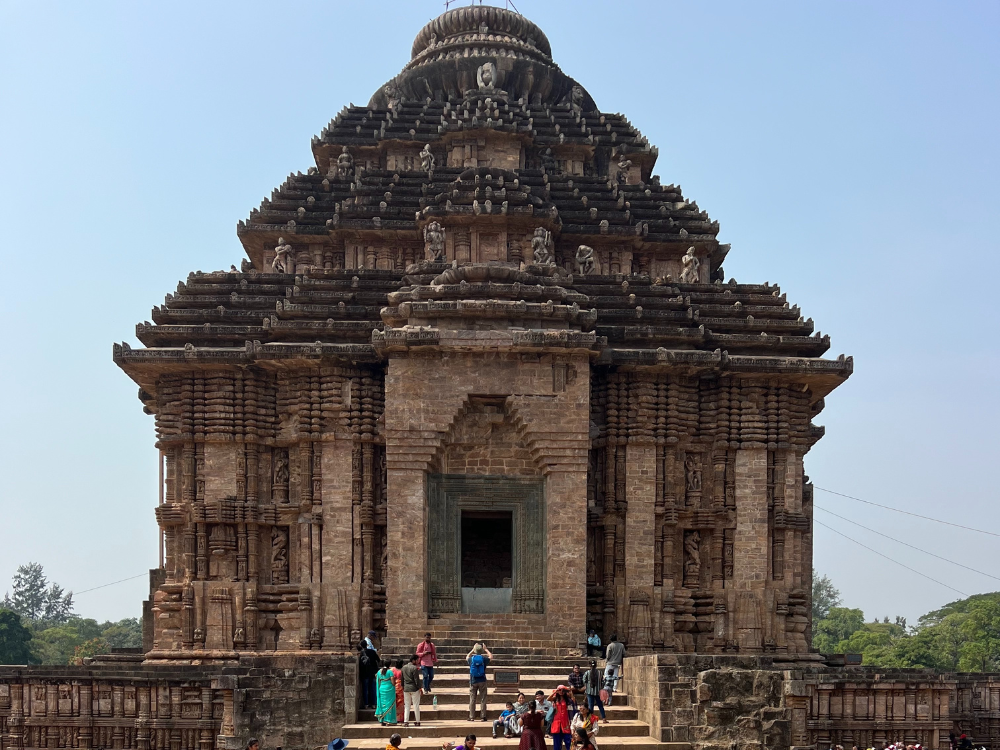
(297, 703)
(715, 702)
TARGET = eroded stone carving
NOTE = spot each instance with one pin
(283, 262)
(585, 260)
(279, 477)
(624, 165)
(692, 473)
(434, 248)
(541, 246)
(345, 164)
(427, 158)
(279, 555)
(486, 77)
(690, 265)
(692, 557)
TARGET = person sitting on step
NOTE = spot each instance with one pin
(395, 742)
(587, 721)
(520, 708)
(501, 721)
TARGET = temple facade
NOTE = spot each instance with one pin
(481, 369)
(481, 374)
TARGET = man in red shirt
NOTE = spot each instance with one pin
(428, 660)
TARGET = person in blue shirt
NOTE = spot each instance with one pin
(594, 644)
(501, 721)
(478, 659)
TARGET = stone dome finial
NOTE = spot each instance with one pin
(471, 19)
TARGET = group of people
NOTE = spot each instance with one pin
(568, 714)
(569, 724)
(393, 689)
(955, 742)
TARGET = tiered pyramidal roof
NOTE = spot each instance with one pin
(481, 151)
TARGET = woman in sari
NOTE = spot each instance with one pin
(385, 695)
(397, 673)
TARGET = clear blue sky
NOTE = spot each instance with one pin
(848, 149)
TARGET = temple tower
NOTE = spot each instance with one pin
(480, 374)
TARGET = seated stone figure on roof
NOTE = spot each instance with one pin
(585, 260)
(689, 270)
(486, 77)
(345, 164)
(541, 246)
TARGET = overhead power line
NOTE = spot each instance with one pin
(916, 515)
(908, 544)
(105, 585)
(902, 565)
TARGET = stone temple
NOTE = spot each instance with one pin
(481, 374)
(481, 368)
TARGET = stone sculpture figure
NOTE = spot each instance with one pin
(486, 77)
(624, 165)
(280, 469)
(279, 555)
(692, 555)
(345, 164)
(282, 262)
(434, 242)
(689, 267)
(585, 260)
(541, 246)
(692, 473)
(576, 99)
(392, 96)
(427, 159)
(548, 162)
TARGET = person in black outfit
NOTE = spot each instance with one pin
(368, 664)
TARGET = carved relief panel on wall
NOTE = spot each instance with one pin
(279, 475)
(692, 559)
(279, 555)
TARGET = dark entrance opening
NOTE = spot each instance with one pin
(487, 541)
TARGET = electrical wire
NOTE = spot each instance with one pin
(105, 585)
(908, 545)
(912, 570)
(917, 515)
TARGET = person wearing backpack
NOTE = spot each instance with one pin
(478, 660)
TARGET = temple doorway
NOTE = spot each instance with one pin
(485, 544)
(486, 549)
(487, 560)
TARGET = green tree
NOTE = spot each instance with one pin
(35, 600)
(825, 597)
(15, 639)
(834, 629)
(125, 633)
(57, 644)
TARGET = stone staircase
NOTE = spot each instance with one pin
(449, 720)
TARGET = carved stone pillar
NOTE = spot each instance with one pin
(750, 546)
(640, 533)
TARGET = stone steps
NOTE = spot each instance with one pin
(485, 741)
(455, 707)
(533, 682)
(460, 728)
